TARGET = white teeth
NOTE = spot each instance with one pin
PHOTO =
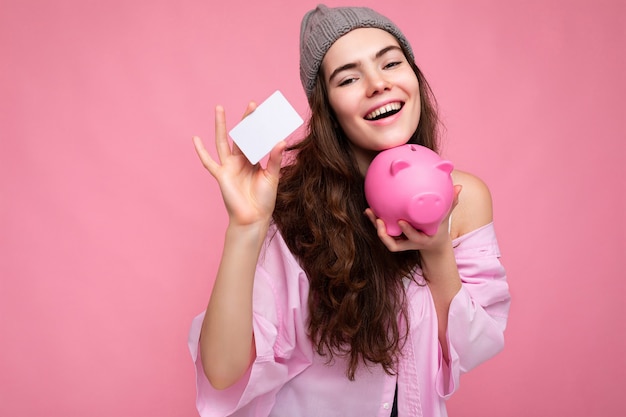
(384, 109)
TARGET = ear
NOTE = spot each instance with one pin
(445, 166)
(397, 166)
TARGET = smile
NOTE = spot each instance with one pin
(384, 111)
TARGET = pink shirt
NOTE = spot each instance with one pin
(288, 379)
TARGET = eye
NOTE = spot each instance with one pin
(392, 64)
(347, 81)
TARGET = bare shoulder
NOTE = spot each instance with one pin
(474, 208)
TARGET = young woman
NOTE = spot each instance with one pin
(316, 310)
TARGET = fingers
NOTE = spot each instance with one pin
(394, 244)
(225, 150)
(221, 138)
(410, 239)
(251, 107)
(389, 241)
(457, 191)
(409, 231)
(275, 159)
(204, 155)
(236, 150)
(371, 216)
(379, 224)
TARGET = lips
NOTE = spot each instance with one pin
(384, 111)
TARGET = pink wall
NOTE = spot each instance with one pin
(110, 230)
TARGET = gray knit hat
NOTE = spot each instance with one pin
(322, 26)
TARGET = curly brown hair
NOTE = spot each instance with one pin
(356, 300)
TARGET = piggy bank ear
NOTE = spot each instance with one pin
(445, 166)
(397, 166)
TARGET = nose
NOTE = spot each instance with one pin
(377, 83)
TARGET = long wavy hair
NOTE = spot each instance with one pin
(357, 299)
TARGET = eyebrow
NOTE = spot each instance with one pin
(352, 65)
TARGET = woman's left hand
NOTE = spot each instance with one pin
(411, 238)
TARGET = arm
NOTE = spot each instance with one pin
(249, 193)
(226, 341)
(472, 209)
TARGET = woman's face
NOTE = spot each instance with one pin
(373, 91)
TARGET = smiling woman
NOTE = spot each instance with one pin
(316, 310)
(373, 91)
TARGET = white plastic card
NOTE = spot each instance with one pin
(272, 121)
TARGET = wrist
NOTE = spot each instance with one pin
(252, 233)
(440, 257)
(438, 251)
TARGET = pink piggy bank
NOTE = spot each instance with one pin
(412, 183)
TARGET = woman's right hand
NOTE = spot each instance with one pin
(249, 191)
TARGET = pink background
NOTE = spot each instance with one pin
(110, 229)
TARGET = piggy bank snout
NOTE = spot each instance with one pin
(428, 207)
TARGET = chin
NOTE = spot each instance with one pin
(392, 143)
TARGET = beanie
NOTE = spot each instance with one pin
(322, 26)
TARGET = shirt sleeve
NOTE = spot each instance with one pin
(283, 350)
(478, 313)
